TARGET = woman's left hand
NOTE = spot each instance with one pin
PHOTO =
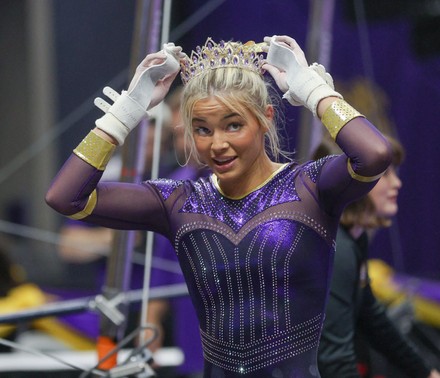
(284, 58)
(302, 85)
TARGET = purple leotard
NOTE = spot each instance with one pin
(257, 268)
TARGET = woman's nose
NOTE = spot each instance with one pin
(394, 178)
(219, 142)
(398, 181)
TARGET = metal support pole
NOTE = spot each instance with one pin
(145, 40)
(318, 49)
(154, 175)
(79, 305)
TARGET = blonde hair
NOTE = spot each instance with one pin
(239, 90)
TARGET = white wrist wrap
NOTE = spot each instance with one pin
(307, 84)
(128, 111)
(112, 126)
(122, 117)
(130, 108)
(308, 88)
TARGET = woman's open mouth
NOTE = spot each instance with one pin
(224, 164)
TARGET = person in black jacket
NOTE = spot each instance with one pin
(352, 309)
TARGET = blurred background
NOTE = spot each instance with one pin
(56, 56)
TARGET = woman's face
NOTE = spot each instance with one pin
(384, 194)
(231, 144)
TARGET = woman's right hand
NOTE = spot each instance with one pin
(149, 86)
(154, 76)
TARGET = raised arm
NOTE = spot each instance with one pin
(367, 153)
(75, 191)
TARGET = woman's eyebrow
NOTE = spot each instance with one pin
(231, 115)
(227, 116)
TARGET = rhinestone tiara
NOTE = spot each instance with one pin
(224, 54)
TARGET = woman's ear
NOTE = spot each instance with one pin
(270, 112)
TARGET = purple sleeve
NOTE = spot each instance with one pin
(119, 205)
(369, 153)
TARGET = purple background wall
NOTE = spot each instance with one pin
(410, 82)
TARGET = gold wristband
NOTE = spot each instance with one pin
(357, 177)
(95, 150)
(337, 115)
(90, 205)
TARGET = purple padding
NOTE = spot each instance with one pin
(427, 289)
(86, 323)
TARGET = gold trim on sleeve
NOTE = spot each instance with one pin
(337, 115)
(95, 150)
(357, 177)
(88, 209)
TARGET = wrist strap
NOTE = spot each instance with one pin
(95, 150)
(337, 115)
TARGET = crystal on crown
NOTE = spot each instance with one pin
(224, 54)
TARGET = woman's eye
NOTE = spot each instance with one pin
(200, 130)
(234, 126)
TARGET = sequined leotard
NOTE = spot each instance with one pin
(246, 274)
(257, 268)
